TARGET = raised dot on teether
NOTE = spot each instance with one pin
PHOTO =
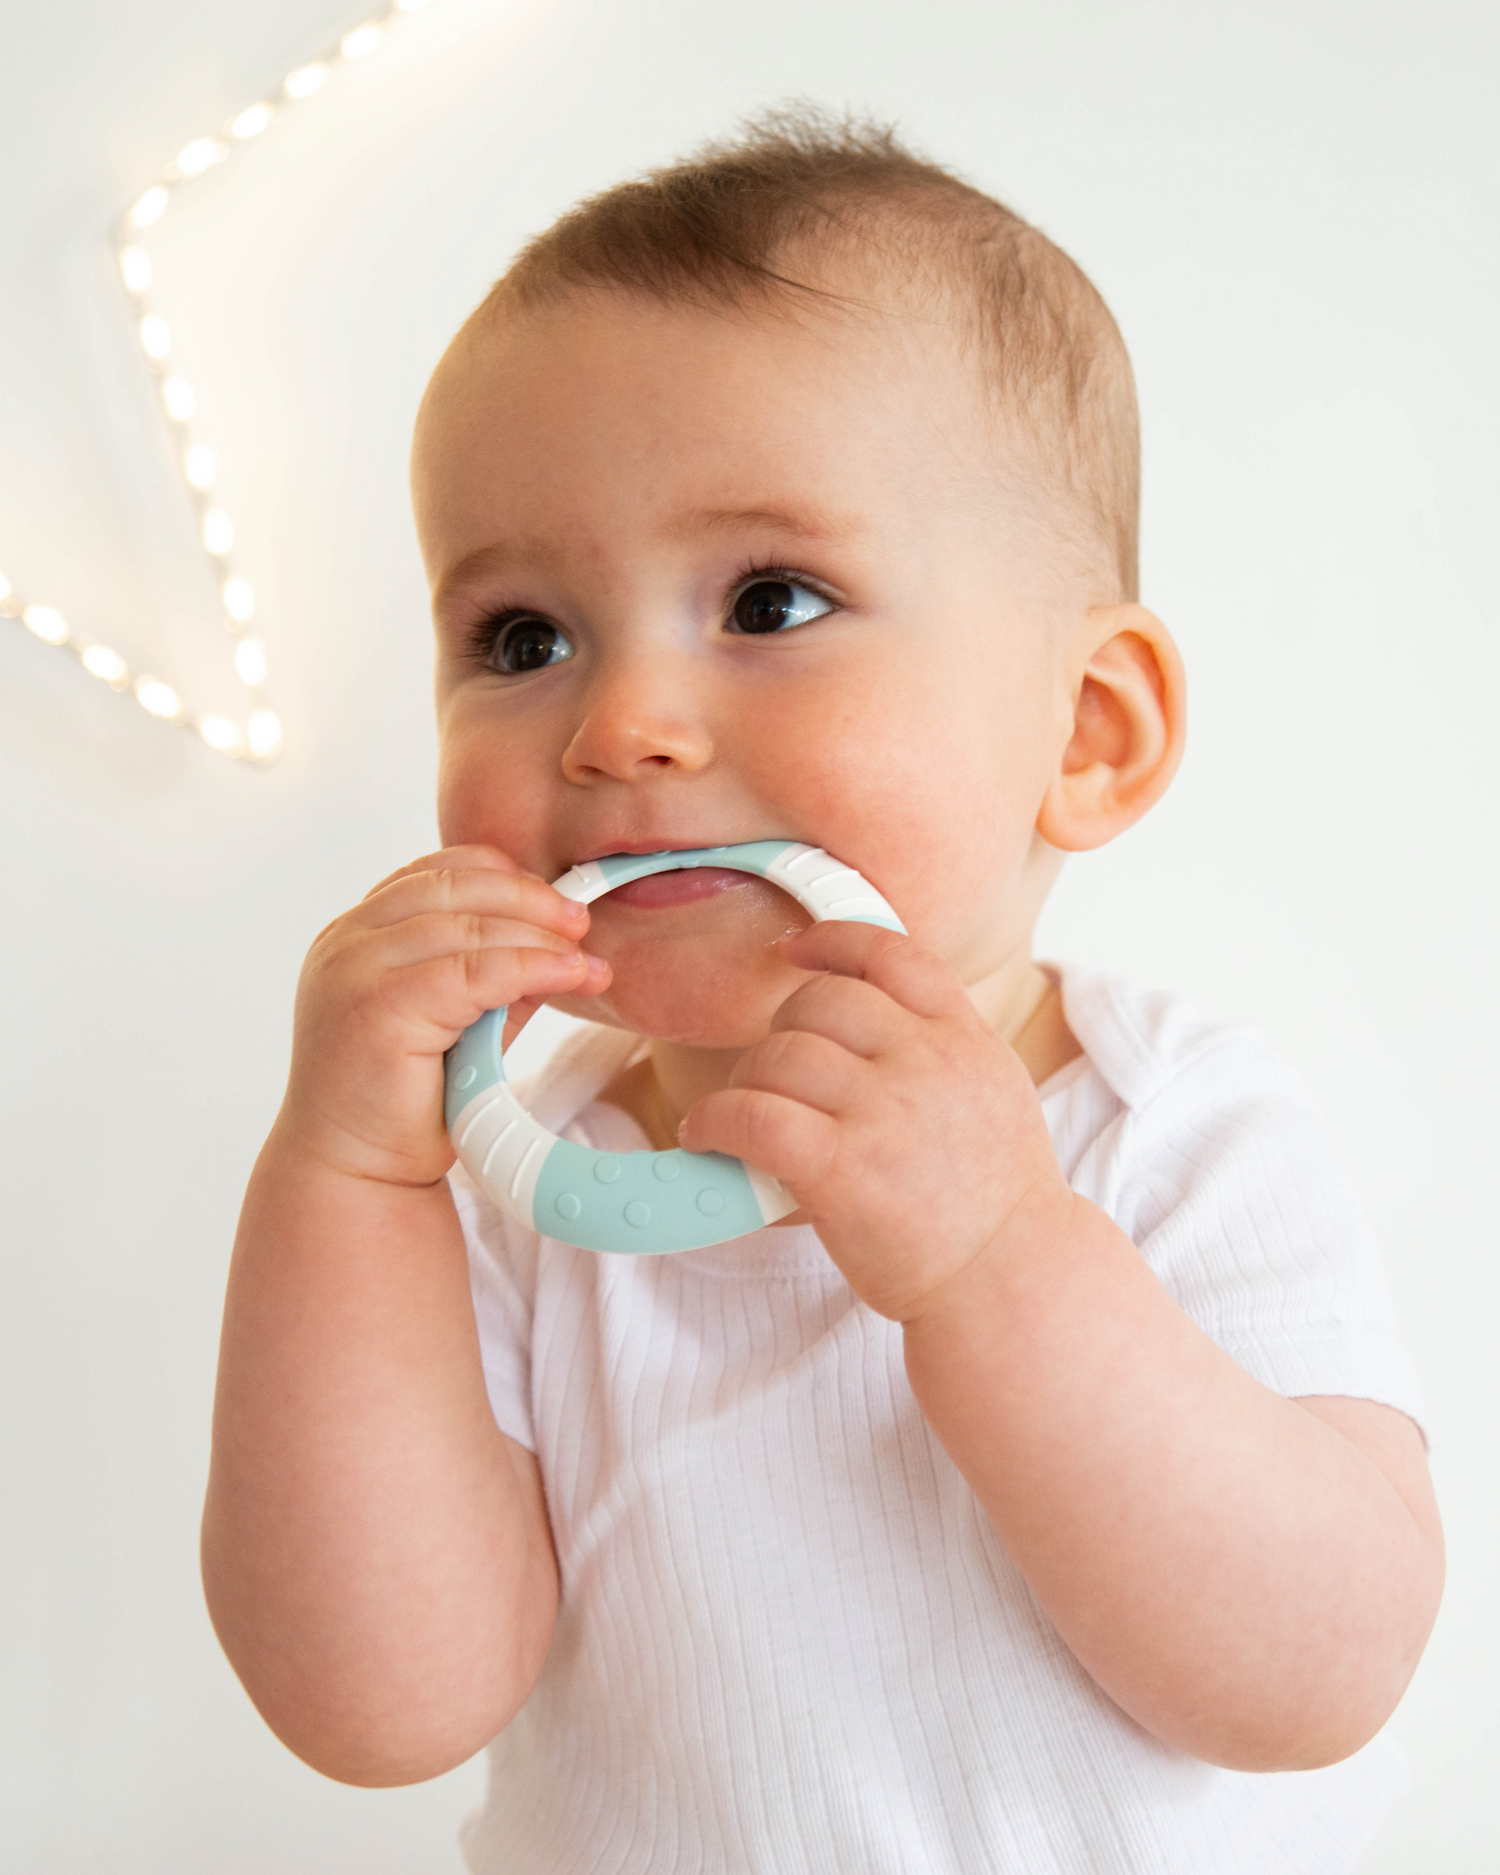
(569, 1204)
(667, 1167)
(710, 1202)
(466, 1077)
(606, 1170)
(637, 1213)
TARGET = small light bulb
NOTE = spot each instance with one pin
(135, 269)
(180, 399)
(47, 622)
(202, 153)
(307, 79)
(221, 734)
(265, 733)
(159, 698)
(250, 661)
(360, 43)
(151, 207)
(239, 599)
(252, 122)
(100, 661)
(156, 337)
(218, 531)
(199, 466)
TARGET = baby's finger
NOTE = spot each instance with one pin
(803, 1067)
(447, 994)
(790, 1141)
(916, 978)
(437, 933)
(474, 891)
(449, 858)
(845, 1010)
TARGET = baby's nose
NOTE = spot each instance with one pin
(634, 727)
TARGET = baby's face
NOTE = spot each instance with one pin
(703, 577)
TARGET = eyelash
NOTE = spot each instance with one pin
(485, 633)
(756, 569)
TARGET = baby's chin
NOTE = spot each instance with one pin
(693, 1016)
(702, 988)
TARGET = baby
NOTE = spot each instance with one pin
(1044, 1495)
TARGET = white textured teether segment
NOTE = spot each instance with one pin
(635, 1202)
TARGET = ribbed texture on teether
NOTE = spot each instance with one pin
(502, 1148)
(830, 889)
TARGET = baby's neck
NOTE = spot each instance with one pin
(1021, 1003)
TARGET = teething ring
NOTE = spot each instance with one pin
(638, 1203)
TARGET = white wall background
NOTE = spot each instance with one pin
(1292, 209)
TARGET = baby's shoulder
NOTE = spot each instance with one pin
(1173, 1109)
(1211, 1152)
(1157, 1054)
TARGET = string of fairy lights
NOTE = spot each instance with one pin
(258, 739)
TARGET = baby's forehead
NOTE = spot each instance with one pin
(855, 353)
(842, 414)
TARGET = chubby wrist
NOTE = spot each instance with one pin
(304, 1144)
(1041, 1229)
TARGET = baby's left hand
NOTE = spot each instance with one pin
(909, 1133)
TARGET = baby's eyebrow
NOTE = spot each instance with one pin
(808, 522)
(482, 565)
(803, 522)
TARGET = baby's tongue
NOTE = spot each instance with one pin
(660, 890)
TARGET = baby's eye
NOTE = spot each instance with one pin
(769, 604)
(528, 644)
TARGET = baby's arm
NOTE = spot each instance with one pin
(1251, 1578)
(376, 1553)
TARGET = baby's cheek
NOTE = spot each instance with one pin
(484, 801)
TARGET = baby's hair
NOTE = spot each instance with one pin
(727, 226)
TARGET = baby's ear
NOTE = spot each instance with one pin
(1129, 725)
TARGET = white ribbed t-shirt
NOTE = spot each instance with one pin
(788, 1638)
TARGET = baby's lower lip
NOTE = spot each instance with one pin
(661, 890)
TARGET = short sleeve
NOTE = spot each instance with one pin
(1229, 1181)
(502, 1282)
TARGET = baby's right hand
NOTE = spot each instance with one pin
(391, 985)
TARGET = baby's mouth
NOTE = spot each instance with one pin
(659, 891)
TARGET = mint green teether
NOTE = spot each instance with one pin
(639, 1203)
